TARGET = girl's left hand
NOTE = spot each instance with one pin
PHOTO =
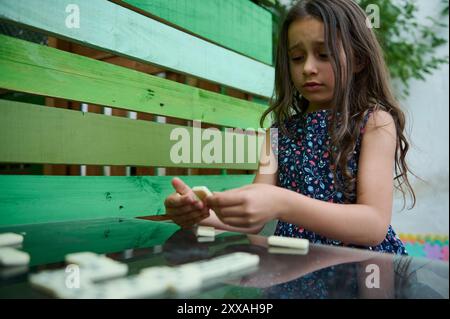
(248, 206)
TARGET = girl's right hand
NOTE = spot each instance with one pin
(183, 206)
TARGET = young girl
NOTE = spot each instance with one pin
(340, 138)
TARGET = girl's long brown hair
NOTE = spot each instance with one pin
(355, 92)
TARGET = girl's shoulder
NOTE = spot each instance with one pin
(376, 118)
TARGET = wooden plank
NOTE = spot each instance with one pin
(181, 78)
(107, 26)
(37, 134)
(65, 75)
(40, 199)
(57, 169)
(239, 25)
(130, 64)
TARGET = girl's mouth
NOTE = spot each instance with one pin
(312, 88)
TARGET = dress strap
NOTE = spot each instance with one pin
(369, 112)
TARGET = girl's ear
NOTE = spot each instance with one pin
(360, 64)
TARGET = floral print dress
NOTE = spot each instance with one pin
(304, 167)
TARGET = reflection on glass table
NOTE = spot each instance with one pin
(323, 272)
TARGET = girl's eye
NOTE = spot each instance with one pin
(323, 56)
(297, 58)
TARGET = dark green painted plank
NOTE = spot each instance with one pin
(50, 242)
(37, 134)
(40, 199)
(38, 69)
(238, 24)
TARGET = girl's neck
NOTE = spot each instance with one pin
(314, 108)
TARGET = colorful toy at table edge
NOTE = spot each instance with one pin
(432, 246)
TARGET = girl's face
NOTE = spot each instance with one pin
(309, 62)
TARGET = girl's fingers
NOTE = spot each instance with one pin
(205, 211)
(180, 186)
(191, 222)
(177, 200)
(183, 189)
(184, 210)
(231, 211)
(223, 199)
(187, 217)
(195, 216)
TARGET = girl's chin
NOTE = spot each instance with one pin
(316, 96)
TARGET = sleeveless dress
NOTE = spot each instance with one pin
(304, 167)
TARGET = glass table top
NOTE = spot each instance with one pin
(323, 272)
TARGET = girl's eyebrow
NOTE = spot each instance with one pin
(299, 44)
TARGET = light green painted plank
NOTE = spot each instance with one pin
(40, 199)
(239, 25)
(38, 69)
(39, 134)
(105, 25)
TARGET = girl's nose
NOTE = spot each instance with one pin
(310, 66)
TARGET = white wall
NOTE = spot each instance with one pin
(427, 109)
